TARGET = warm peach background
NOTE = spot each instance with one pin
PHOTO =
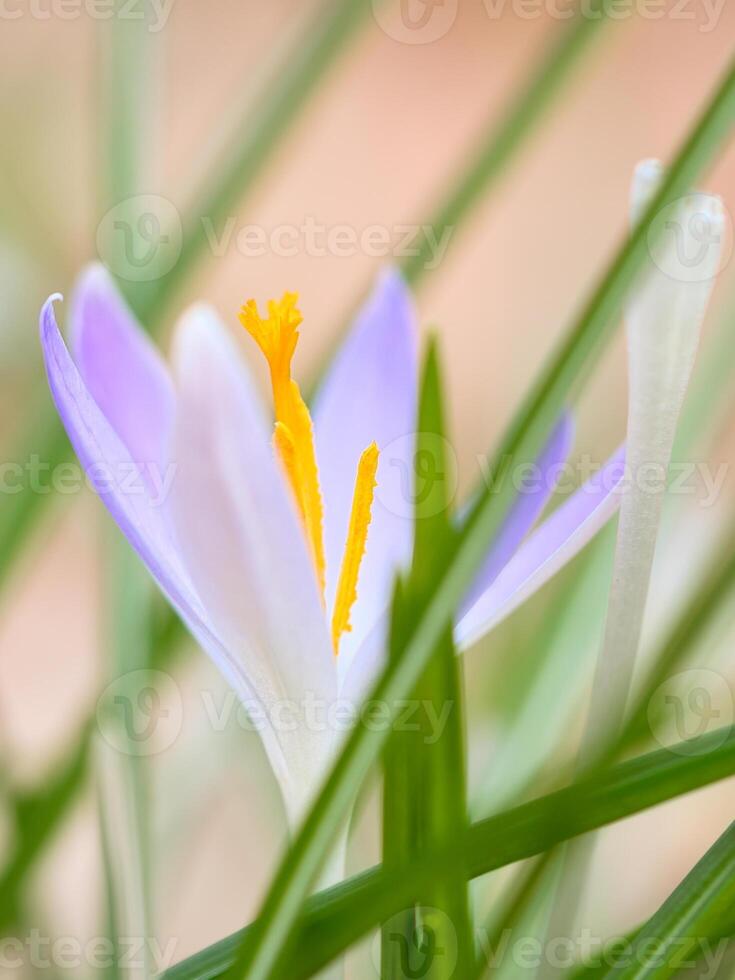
(389, 127)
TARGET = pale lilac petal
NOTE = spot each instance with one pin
(122, 369)
(108, 463)
(370, 395)
(530, 502)
(546, 551)
(358, 674)
(244, 545)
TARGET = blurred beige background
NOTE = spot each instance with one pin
(392, 123)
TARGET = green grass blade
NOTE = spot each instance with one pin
(120, 768)
(694, 914)
(570, 633)
(424, 783)
(41, 813)
(261, 950)
(339, 916)
(37, 817)
(121, 771)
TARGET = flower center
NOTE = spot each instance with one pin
(293, 437)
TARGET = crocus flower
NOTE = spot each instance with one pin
(278, 549)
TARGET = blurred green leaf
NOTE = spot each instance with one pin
(299, 867)
(339, 916)
(424, 785)
(691, 916)
(37, 816)
(568, 636)
(121, 771)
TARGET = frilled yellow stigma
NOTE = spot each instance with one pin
(277, 337)
(293, 438)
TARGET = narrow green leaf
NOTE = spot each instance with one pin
(41, 813)
(339, 916)
(262, 948)
(424, 786)
(692, 916)
(121, 770)
(522, 893)
(568, 635)
(37, 817)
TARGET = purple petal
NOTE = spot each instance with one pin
(546, 551)
(109, 465)
(370, 394)
(122, 369)
(529, 504)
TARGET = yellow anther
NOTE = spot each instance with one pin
(277, 337)
(362, 502)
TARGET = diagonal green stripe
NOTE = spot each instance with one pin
(339, 916)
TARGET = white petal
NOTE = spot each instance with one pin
(663, 323)
(245, 548)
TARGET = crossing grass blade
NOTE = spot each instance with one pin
(338, 917)
(260, 953)
(424, 783)
(692, 916)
